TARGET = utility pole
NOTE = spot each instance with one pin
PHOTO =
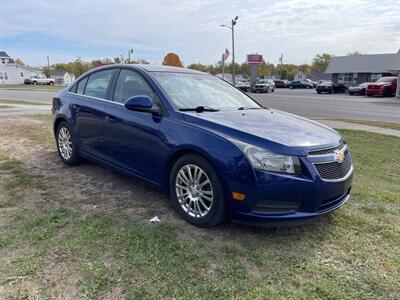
(223, 66)
(233, 23)
(281, 59)
(129, 55)
(48, 62)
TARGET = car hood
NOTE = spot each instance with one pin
(269, 128)
(380, 83)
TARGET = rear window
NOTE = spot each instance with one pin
(97, 84)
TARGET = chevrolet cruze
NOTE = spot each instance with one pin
(213, 149)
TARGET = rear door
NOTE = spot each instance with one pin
(133, 139)
(88, 111)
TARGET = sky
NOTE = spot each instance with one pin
(299, 29)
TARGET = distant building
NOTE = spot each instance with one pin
(11, 72)
(300, 76)
(395, 69)
(62, 77)
(356, 69)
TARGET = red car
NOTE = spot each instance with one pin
(385, 86)
(280, 83)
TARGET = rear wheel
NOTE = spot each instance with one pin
(66, 145)
(196, 191)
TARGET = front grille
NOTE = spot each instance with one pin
(326, 151)
(334, 170)
(275, 207)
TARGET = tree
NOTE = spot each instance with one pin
(354, 53)
(321, 61)
(19, 62)
(172, 59)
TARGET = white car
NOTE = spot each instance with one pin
(264, 86)
(244, 85)
(41, 79)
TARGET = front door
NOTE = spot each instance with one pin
(132, 139)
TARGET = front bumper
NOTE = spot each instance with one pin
(378, 92)
(280, 199)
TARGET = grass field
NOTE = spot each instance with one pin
(23, 102)
(373, 123)
(31, 87)
(83, 232)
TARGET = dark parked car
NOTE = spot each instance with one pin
(358, 89)
(385, 86)
(331, 87)
(281, 84)
(212, 148)
(300, 85)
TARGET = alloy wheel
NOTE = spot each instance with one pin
(65, 143)
(194, 191)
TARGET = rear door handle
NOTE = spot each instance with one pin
(111, 119)
(76, 108)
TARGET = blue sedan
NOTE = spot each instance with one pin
(212, 148)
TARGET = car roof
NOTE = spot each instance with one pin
(156, 68)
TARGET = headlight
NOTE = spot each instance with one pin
(266, 160)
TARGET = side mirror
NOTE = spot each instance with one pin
(142, 103)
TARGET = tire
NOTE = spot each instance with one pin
(34, 82)
(191, 208)
(71, 156)
(351, 94)
(51, 83)
(318, 92)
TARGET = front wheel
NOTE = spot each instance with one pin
(196, 191)
(66, 145)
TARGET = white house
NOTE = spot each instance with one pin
(62, 77)
(11, 72)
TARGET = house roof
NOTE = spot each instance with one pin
(3, 54)
(371, 63)
(58, 73)
(395, 65)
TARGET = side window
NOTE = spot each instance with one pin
(97, 84)
(81, 85)
(131, 84)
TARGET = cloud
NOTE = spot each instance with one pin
(297, 28)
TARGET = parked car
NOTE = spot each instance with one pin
(244, 85)
(311, 82)
(212, 148)
(264, 86)
(300, 85)
(280, 84)
(27, 81)
(358, 89)
(331, 87)
(41, 79)
(384, 86)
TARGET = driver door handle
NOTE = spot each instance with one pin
(111, 119)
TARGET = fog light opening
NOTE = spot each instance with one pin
(238, 196)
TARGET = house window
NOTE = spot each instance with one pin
(21, 74)
(1, 76)
(3, 61)
(374, 76)
(5, 76)
(347, 78)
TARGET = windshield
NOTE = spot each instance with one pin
(193, 90)
(385, 79)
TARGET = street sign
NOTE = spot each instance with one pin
(254, 59)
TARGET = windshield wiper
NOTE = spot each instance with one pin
(198, 109)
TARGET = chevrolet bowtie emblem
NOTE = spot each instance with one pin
(339, 156)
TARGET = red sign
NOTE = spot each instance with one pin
(254, 58)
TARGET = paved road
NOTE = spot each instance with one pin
(36, 96)
(302, 102)
(308, 103)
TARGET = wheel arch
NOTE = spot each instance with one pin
(57, 122)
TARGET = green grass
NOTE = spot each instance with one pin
(374, 123)
(31, 87)
(353, 253)
(46, 118)
(23, 102)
